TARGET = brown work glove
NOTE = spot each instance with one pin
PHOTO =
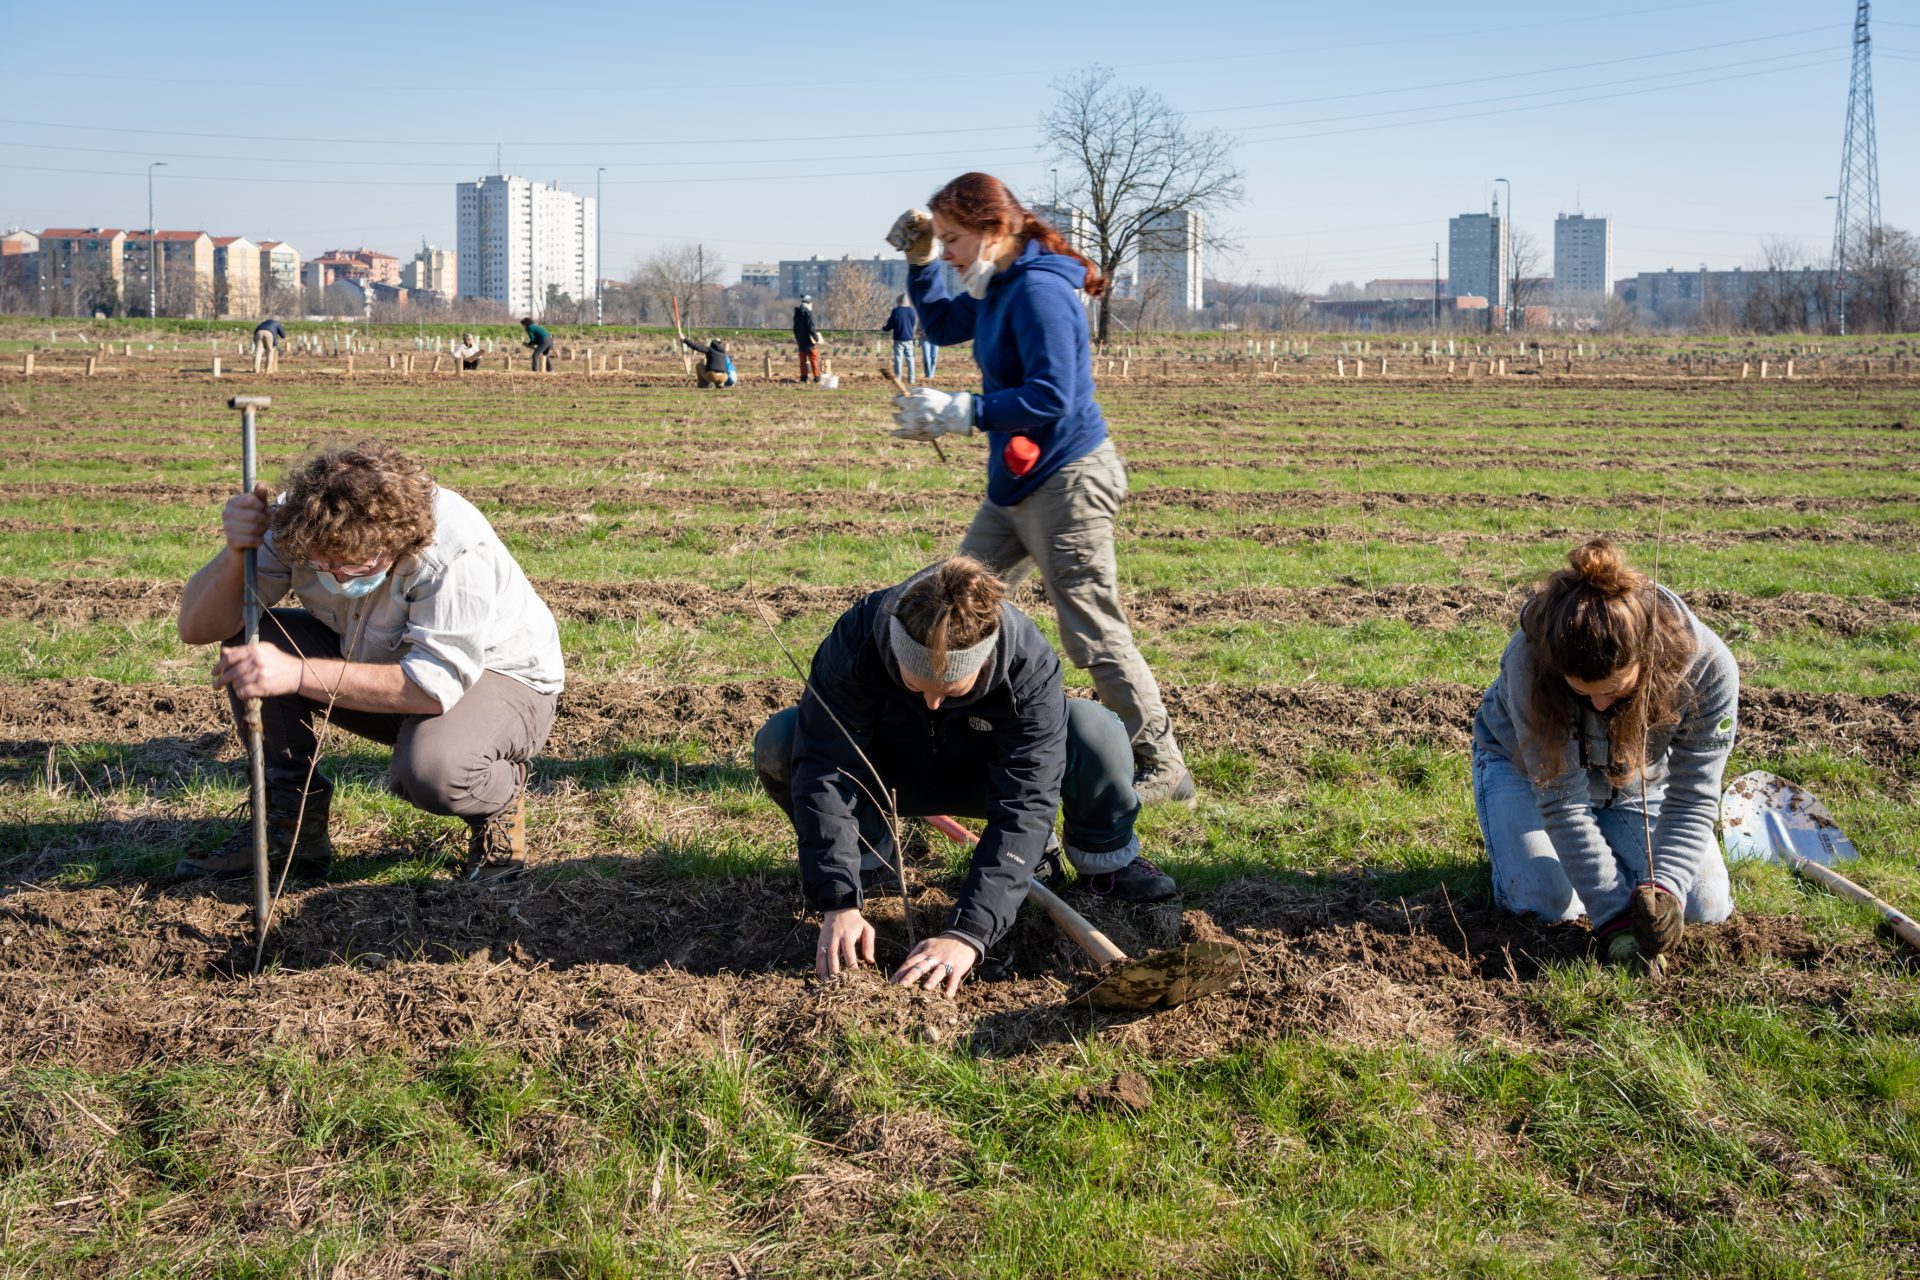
(912, 234)
(1658, 919)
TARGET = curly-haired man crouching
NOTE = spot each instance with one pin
(417, 628)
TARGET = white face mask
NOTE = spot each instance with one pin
(975, 277)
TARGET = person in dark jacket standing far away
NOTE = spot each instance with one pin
(1611, 721)
(806, 336)
(900, 326)
(267, 337)
(1054, 480)
(955, 697)
(542, 343)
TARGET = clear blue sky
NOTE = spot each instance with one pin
(779, 130)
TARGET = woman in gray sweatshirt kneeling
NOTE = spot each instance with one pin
(1597, 760)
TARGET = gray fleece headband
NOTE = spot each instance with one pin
(917, 660)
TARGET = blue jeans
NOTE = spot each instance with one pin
(1527, 876)
(1097, 802)
(903, 360)
(929, 357)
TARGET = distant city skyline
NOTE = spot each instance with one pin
(1704, 128)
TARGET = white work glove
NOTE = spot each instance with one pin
(926, 414)
(912, 234)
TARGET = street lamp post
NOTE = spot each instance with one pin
(599, 216)
(1506, 274)
(153, 289)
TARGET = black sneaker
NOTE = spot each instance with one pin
(1138, 881)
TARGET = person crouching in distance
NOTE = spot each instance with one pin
(468, 353)
(416, 628)
(716, 370)
(954, 697)
(1598, 754)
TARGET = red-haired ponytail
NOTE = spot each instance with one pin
(981, 202)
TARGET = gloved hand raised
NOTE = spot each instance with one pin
(912, 234)
(926, 414)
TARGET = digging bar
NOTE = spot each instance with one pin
(256, 754)
(902, 388)
(1161, 980)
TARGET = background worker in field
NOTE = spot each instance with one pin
(900, 326)
(1054, 479)
(468, 352)
(415, 623)
(806, 336)
(716, 369)
(542, 343)
(955, 696)
(267, 337)
(1612, 719)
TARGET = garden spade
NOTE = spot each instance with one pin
(1161, 980)
(256, 755)
(1770, 819)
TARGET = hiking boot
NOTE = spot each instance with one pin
(1138, 881)
(1165, 784)
(1052, 871)
(497, 847)
(234, 858)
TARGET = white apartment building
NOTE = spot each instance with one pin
(1169, 267)
(433, 270)
(519, 241)
(1582, 257)
(1477, 258)
(1073, 224)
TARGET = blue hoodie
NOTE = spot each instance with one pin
(1030, 340)
(900, 323)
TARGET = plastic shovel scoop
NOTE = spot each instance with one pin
(1809, 830)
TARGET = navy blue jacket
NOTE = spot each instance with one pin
(1012, 727)
(900, 324)
(1030, 340)
(272, 327)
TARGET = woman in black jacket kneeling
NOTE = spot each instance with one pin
(955, 697)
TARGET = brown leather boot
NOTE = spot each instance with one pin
(497, 847)
(312, 856)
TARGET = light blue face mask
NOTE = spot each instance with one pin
(353, 588)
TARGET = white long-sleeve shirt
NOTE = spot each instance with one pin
(456, 608)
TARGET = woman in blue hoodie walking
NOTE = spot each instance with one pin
(1054, 479)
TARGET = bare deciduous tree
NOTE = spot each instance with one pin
(684, 271)
(855, 298)
(1884, 291)
(1128, 157)
(1523, 250)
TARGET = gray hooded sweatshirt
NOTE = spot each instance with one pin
(1685, 764)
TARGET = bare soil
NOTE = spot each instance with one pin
(1283, 727)
(685, 604)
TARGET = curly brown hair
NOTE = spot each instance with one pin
(1592, 620)
(354, 503)
(953, 605)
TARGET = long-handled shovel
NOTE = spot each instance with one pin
(1161, 980)
(256, 753)
(1767, 817)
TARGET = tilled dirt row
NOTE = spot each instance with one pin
(683, 604)
(106, 979)
(1284, 727)
(640, 492)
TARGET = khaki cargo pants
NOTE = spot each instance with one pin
(1065, 530)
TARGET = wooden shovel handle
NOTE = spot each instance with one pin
(1097, 945)
(1832, 881)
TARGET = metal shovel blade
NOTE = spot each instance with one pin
(1167, 978)
(1810, 829)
